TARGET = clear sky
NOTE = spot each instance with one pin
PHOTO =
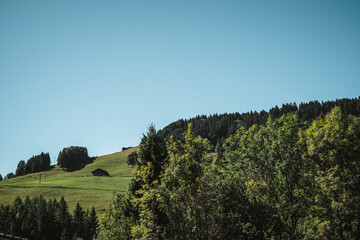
(97, 73)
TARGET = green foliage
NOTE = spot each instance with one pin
(37, 219)
(122, 219)
(333, 157)
(153, 151)
(269, 161)
(36, 163)
(91, 225)
(73, 157)
(78, 223)
(281, 180)
(216, 128)
(20, 170)
(117, 222)
(9, 176)
(238, 215)
(147, 177)
(183, 190)
(132, 159)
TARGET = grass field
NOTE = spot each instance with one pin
(77, 186)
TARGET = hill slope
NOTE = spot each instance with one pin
(77, 186)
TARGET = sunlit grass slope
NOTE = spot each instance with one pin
(77, 186)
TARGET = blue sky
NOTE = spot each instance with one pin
(97, 73)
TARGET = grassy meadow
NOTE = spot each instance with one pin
(77, 186)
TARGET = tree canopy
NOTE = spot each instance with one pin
(132, 159)
(285, 179)
(37, 218)
(217, 127)
(73, 157)
(35, 164)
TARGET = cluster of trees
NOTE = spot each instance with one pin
(37, 163)
(7, 176)
(37, 218)
(216, 128)
(285, 179)
(73, 157)
(132, 159)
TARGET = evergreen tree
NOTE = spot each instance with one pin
(73, 157)
(20, 170)
(132, 158)
(118, 221)
(91, 225)
(37, 219)
(5, 220)
(27, 218)
(78, 222)
(51, 230)
(153, 151)
(15, 212)
(42, 223)
(38, 163)
(9, 176)
(64, 219)
(31, 220)
(216, 128)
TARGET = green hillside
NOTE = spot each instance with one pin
(77, 186)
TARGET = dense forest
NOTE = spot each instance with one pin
(216, 128)
(40, 219)
(290, 177)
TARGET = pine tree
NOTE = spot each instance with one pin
(41, 218)
(64, 219)
(78, 221)
(132, 159)
(93, 223)
(5, 221)
(20, 170)
(51, 223)
(27, 220)
(153, 150)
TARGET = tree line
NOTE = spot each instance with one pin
(284, 179)
(37, 218)
(69, 158)
(216, 128)
(37, 163)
